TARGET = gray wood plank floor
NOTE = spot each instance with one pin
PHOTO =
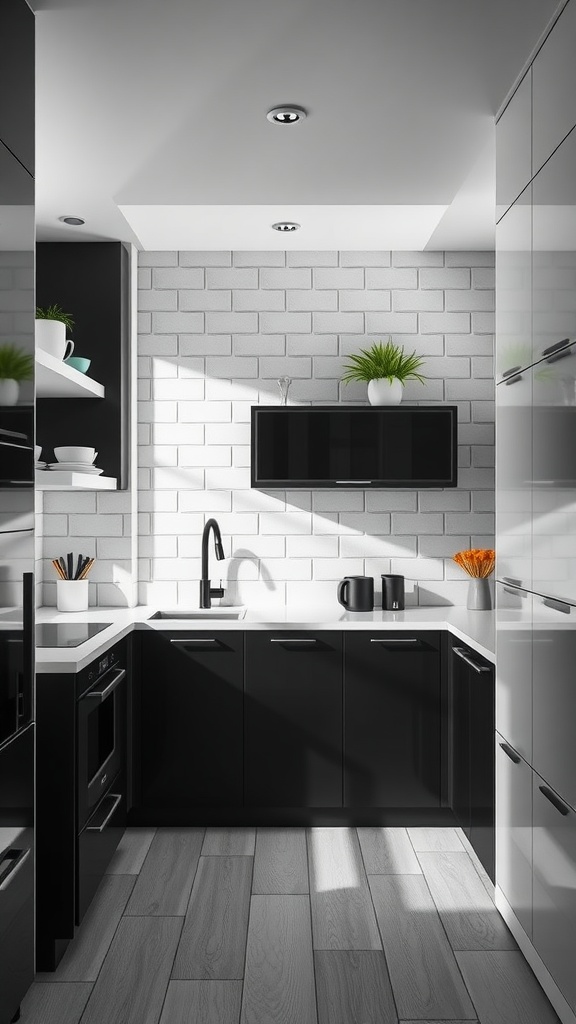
(291, 926)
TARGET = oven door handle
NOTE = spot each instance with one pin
(102, 694)
(116, 798)
(17, 861)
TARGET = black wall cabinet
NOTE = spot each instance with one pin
(90, 281)
(293, 719)
(191, 708)
(17, 80)
(473, 753)
(392, 713)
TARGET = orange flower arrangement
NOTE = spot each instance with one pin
(477, 562)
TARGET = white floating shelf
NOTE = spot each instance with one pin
(54, 379)
(58, 480)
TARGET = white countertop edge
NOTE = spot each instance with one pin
(474, 628)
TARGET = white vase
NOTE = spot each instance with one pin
(382, 391)
(479, 596)
(51, 337)
(9, 391)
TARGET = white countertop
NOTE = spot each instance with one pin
(474, 628)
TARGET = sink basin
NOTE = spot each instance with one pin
(201, 613)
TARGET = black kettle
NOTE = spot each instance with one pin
(356, 593)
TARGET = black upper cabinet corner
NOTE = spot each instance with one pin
(90, 280)
(17, 80)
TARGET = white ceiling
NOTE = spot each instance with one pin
(151, 119)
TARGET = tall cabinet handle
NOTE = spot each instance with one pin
(470, 661)
(554, 800)
(15, 861)
(511, 753)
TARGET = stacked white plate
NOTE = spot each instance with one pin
(75, 467)
(40, 465)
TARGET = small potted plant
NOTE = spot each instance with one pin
(386, 368)
(51, 325)
(15, 366)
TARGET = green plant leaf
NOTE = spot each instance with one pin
(15, 364)
(55, 313)
(383, 361)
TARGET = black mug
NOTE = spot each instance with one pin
(356, 593)
(393, 593)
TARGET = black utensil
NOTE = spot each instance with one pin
(78, 566)
(84, 564)
(70, 559)
(63, 564)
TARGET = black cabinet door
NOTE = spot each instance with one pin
(191, 713)
(293, 719)
(392, 719)
(473, 750)
(17, 80)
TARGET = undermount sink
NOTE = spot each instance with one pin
(201, 613)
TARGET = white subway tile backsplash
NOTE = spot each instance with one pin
(285, 323)
(205, 300)
(216, 331)
(312, 300)
(177, 277)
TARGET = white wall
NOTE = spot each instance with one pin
(216, 330)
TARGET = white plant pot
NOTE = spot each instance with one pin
(50, 336)
(9, 391)
(384, 392)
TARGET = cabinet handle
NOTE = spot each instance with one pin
(116, 798)
(509, 373)
(558, 606)
(17, 860)
(554, 800)
(292, 640)
(395, 640)
(470, 661)
(102, 694)
(196, 640)
(515, 591)
(354, 483)
(557, 347)
(511, 753)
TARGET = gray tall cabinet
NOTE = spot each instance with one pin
(536, 514)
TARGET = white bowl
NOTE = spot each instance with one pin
(76, 454)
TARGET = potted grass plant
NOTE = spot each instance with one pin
(51, 326)
(15, 366)
(385, 368)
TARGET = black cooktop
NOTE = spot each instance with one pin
(67, 634)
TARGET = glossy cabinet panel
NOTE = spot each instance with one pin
(514, 287)
(514, 667)
(514, 831)
(392, 714)
(554, 377)
(554, 847)
(514, 480)
(554, 255)
(554, 87)
(554, 701)
(191, 696)
(293, 719)
(17, 80)
(514, 146)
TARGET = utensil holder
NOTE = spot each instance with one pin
(72, 595)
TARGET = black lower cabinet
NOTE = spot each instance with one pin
(16, 871)
(191, 719)
(392, 715)
(472, 698)
(293, 719)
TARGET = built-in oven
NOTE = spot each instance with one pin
(101, 774)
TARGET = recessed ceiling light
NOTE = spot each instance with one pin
(286, 114)
(286, 225)
(76, 221)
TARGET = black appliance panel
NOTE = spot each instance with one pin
(16, 871)
(328, 446)
(101, 734)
